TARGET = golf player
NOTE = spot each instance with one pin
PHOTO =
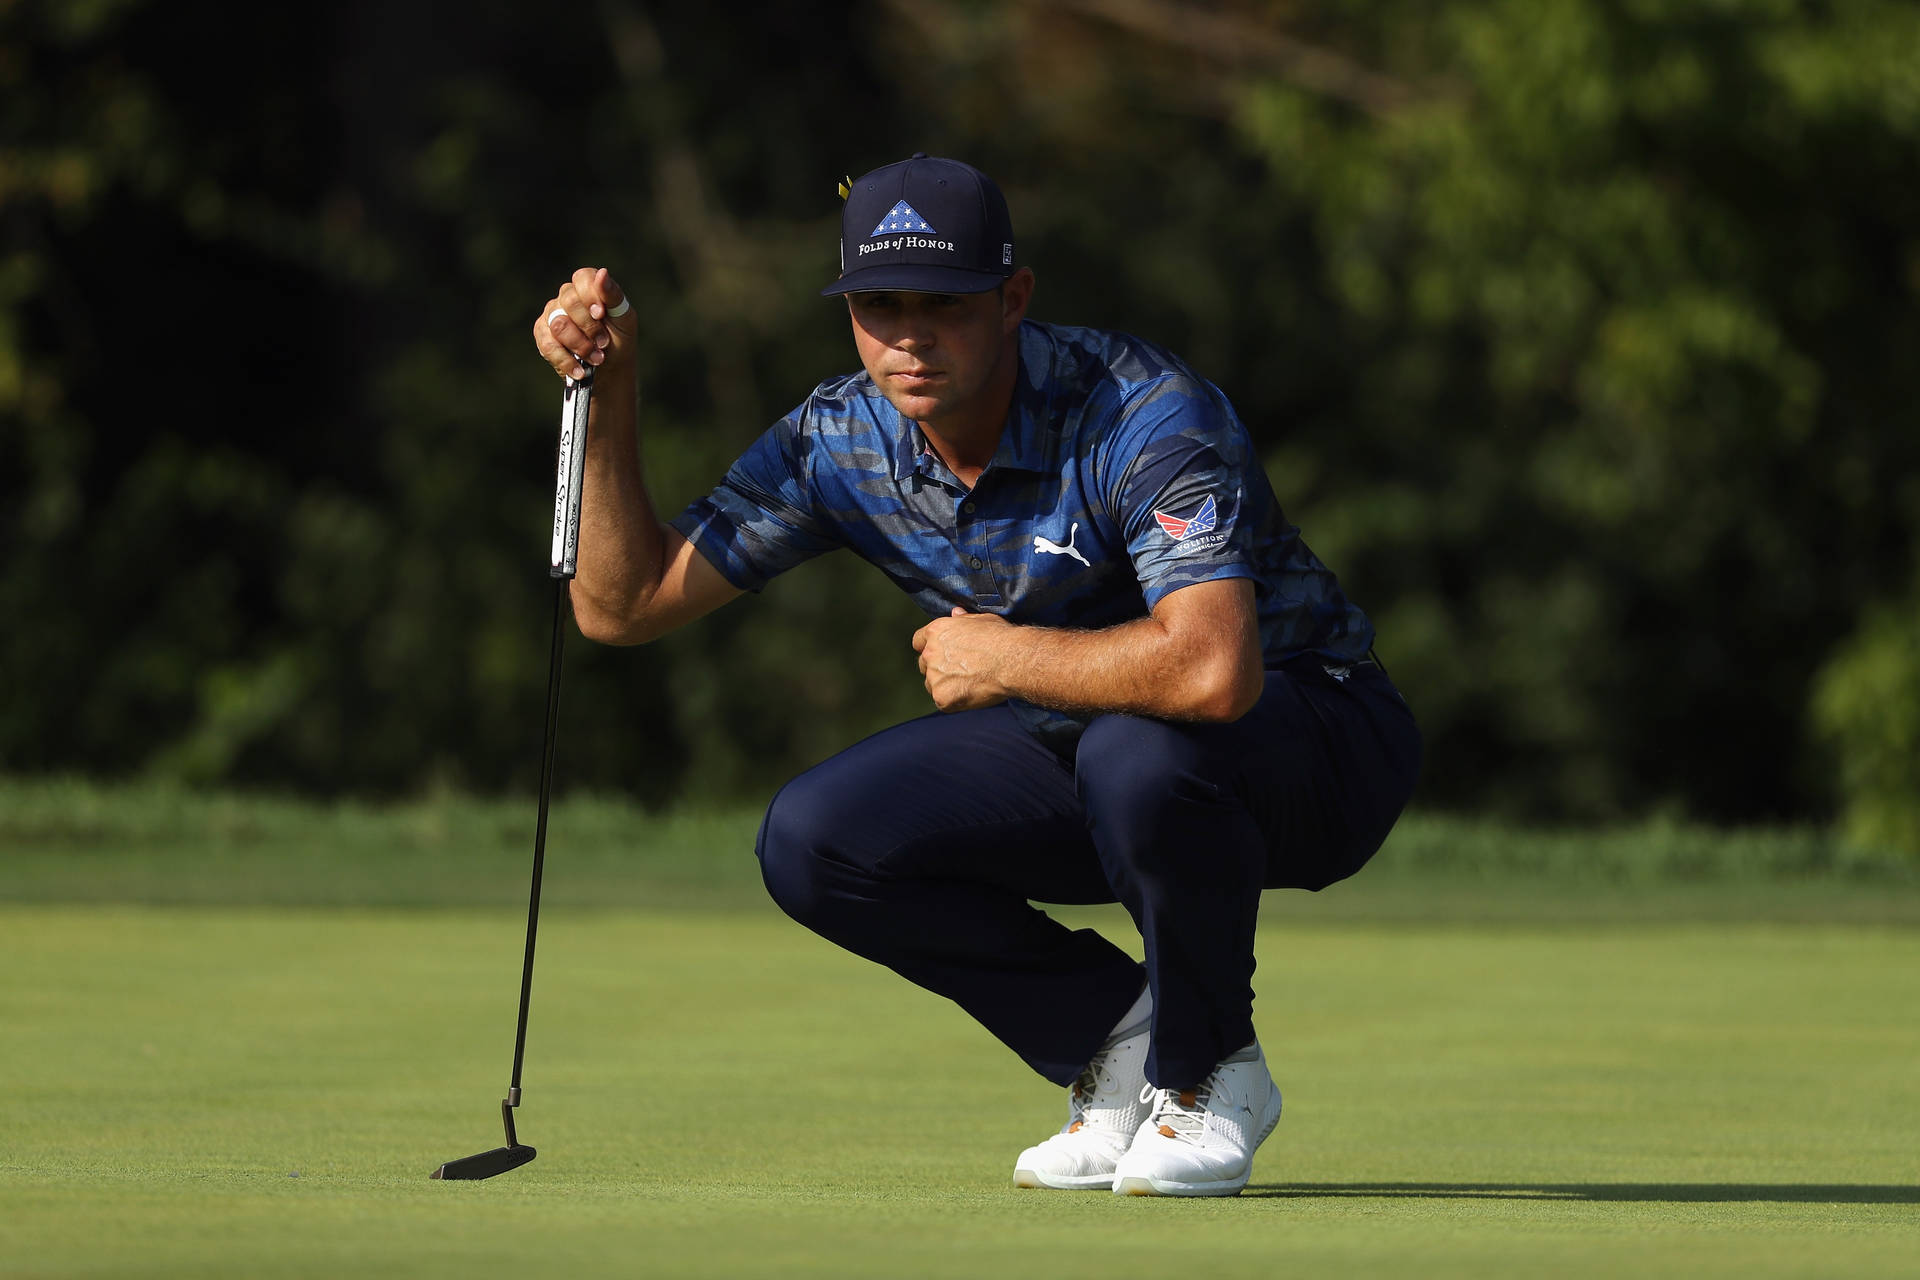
(1148, 689)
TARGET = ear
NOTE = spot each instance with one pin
(1017, 294)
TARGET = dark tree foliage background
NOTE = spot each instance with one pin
(1578, 335)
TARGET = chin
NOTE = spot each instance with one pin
(918, 408)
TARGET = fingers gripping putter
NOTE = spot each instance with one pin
(570, 475)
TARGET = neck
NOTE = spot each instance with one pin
(966, 442)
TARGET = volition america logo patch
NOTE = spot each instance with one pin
(1201, 521)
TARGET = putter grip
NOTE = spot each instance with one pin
(570, 474)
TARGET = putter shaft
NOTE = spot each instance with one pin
(570, 468)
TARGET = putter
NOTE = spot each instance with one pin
(570, 474)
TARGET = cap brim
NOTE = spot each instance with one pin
(912, 278)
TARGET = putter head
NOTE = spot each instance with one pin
(484, 1165)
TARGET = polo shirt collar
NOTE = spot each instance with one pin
(1030, 441)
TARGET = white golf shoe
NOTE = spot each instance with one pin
(1200, 1142)
(1104, 1108)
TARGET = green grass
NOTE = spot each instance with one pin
(69, 840)
(236, 1034)
(262, 1092)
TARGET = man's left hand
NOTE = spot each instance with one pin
(958, 658)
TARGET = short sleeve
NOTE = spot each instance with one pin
(1183, 497)
(760, 520)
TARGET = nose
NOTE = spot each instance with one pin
(915, 333)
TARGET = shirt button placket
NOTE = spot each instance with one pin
(981, 582)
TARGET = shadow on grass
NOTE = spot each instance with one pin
(1667, 1192)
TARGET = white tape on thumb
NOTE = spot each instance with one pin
(558, 313)
(626, 305)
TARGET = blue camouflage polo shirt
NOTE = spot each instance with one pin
(1121, 476)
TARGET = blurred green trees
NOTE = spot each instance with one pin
(1867, 707)
(1576, 333)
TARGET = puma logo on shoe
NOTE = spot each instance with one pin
(1052, 548)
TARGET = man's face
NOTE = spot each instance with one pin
(935, 355)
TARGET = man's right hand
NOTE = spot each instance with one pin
(638, 577)
(577, 326)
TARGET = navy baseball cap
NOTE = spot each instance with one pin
(924, 225)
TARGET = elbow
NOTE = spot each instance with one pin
(602, 632)
(1229, 692)
(604, 627)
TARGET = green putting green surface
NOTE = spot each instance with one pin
(262, 1091)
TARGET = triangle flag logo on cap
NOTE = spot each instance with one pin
(902, 218)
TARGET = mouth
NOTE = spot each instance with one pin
(916, 377)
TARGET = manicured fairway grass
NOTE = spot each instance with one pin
(239, 1091)
(73, 841)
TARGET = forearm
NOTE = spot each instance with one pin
(622, 544)
(1197, 657)
(1138, 667)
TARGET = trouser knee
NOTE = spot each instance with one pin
(1143, 783)
(796, 853)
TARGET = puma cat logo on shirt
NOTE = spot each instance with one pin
(1049, 546)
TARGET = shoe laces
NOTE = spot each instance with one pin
(1097, 1079)
(1179, 1113)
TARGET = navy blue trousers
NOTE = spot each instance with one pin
(923, 847)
